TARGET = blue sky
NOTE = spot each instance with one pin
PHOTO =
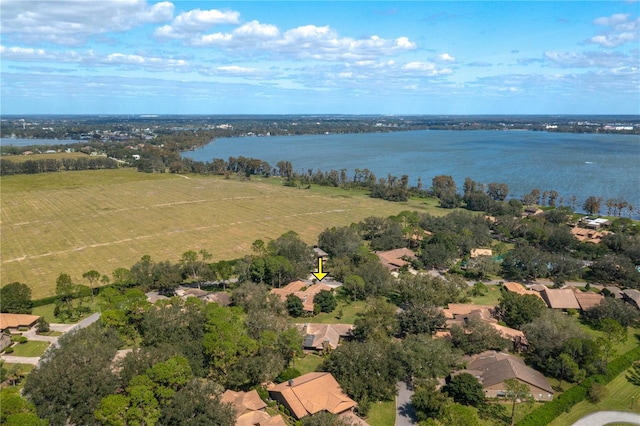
(331, 57)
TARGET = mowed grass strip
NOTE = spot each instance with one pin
(72, 222)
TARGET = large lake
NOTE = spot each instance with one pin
(573, 164)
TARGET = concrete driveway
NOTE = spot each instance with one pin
(608, 417)
(405, 413)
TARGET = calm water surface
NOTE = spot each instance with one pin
(572, 164)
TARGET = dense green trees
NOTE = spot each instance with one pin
(70, 382)
(367, 371)
(477, 336)
(465, 389)
(15, 298)
(516, 310)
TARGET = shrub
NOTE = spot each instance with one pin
(8, 350)
(597, 393)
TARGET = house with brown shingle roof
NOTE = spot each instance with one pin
(250, 409)
(17, 321)
(305, 291)
(632, 297)
(323, 337)
(492, 368)
(588, 299)
(519, 289)
(560, 298)
(395, 259)
(310, 394)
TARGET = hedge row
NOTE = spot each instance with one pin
(550, 410)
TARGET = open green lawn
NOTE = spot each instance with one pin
(382, 413)
(46, 311)
(24, 369)
(491, 298)
(308, 364)
(31, 348)
(72, 222)
(56, 156)
(345, 313)
(620, 398)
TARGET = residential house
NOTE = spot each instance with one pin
(14, 322)
(613, 290)
(395, 259)
(595, 223)
(310, 394)
(320, 254)
(588, 299)
(520, 289)
(322, 337)
(304, 290)
(459, 314)
(632, 297)
(531, 211)
(492, 368)
(538, 287)
(560, 298)
(477, 252)
(588, 235)
(250, 409)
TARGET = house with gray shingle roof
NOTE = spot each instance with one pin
(492, 368)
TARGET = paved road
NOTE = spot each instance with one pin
(405, 413)
(607, 417)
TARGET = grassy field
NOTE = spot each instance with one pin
(621, 396)
(56, 156)
(382, 413)
(308, 364)
(72, 222)
(31, 348)
(345, 313)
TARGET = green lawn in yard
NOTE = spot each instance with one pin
(51, 333)
(307, 364)
(620, 397)
(492, 298)
(345, 313)
(46, 311)
(382, 413)
(30, 349)
(22, 368)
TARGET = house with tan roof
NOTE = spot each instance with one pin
(459, 314)
(322, 337)
(250, 409)
(395, 259)
(560, 298)
(588, 299)
(310, 394)
(588, 235)
(16, 321)
(477, 252)
(492, 368)
(612, 290)
(304, 290)
(519, 289)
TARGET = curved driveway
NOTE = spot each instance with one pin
(607, 417)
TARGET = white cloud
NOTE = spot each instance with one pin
(445, 57)
(74, 22)
(621, 30)
(593, 59)
(304, 42)
(187, 24)
(428, 69)
(90, 58)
